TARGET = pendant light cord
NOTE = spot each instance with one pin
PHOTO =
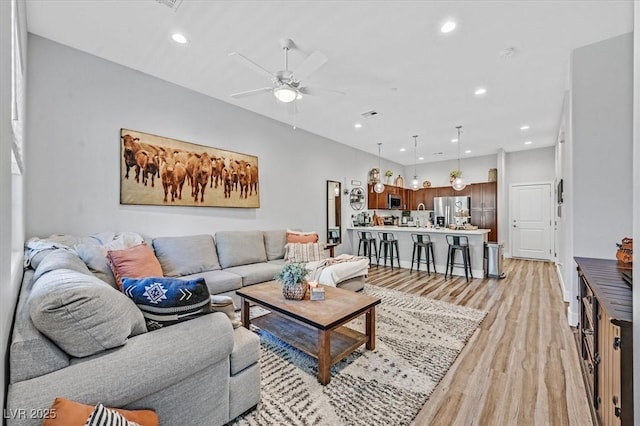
(415, 151)
(459, 127)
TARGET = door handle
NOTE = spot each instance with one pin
(515, 226)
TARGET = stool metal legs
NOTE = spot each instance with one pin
(466, 261)
(429, 257)
(386, 249)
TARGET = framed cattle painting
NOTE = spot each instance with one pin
(155, 170)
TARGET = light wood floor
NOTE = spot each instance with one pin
(521, 366)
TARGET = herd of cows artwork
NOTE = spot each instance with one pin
(161, 171)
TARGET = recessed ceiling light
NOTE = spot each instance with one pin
(403, 149)
(420, 158)
(179, 38)
(454, 140)
(528, 143)
(525, 127)
(358, 126)
(480, 91)
(468, 151)
(447, 27)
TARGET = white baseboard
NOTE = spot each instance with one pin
(565, 294)
(572, 317)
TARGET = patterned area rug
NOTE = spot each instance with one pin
(417, 340)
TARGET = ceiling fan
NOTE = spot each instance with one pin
(286, 84)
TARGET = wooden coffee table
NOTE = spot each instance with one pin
(315, 327)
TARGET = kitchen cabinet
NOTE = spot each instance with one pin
(445, 191)
(484, 213)
(483, 195)
(377, 201)
(605, 339)
(486, 219)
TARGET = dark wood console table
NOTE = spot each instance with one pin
(606, 339)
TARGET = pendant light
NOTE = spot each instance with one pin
(414, 182)
(379, 186)
(458, 183)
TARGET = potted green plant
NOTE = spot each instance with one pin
(453, 174)
(292, 276)
(388, 174)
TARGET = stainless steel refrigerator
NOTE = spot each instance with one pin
(447, 210)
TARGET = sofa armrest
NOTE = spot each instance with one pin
(146, 364)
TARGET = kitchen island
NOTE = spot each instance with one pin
(477, 238)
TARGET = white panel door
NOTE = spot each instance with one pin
(530, 221)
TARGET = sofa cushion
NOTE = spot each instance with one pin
(218, 281)
(240, 248)
(93, 251)
(246, 350)
(82, 314)
(134, 262)
(61, 259)
(256, 272)
(72, 413)
(274, 242)
(304, 252)
(301, 237)
(31, 353)
(167, 301)
(191, 254)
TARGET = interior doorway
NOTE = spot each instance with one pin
(530, 221)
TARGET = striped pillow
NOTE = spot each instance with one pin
(304, 252)
(103, 416)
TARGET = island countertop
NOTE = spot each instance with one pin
(477, 239)
(414, 229)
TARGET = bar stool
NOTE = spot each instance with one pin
(388, 242)
(368, 244)
(458, 242)
(423, 241)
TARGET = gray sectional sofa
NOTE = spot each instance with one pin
(201, 371)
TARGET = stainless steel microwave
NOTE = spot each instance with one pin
(394, 201)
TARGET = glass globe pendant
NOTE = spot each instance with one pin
(414, 183)
(458, 183)
(379, 186)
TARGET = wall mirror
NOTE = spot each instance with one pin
(356, 198)
(334, 213)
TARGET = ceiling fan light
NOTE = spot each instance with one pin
(285, 93)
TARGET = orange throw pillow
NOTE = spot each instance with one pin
(302, 237)
(134, 262)
(65, 412)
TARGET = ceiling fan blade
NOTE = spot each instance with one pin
(318, 91)
(247, 93)
(310, 65)
(250, 64)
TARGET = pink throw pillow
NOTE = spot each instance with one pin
(134, 262)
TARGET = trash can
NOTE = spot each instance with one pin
(493, 260)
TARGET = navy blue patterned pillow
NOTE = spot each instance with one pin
(166, 301)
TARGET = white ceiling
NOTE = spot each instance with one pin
(387, 56)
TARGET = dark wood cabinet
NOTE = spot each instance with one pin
(484, 195)
(486, 219)
(606, 339)
(484, 212)
(377, 201)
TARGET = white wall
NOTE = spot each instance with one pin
(531, 166)
(602, 88)
(6, 286)
(77, 105)
(11, 186)
(474, 169)
(597, 156)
